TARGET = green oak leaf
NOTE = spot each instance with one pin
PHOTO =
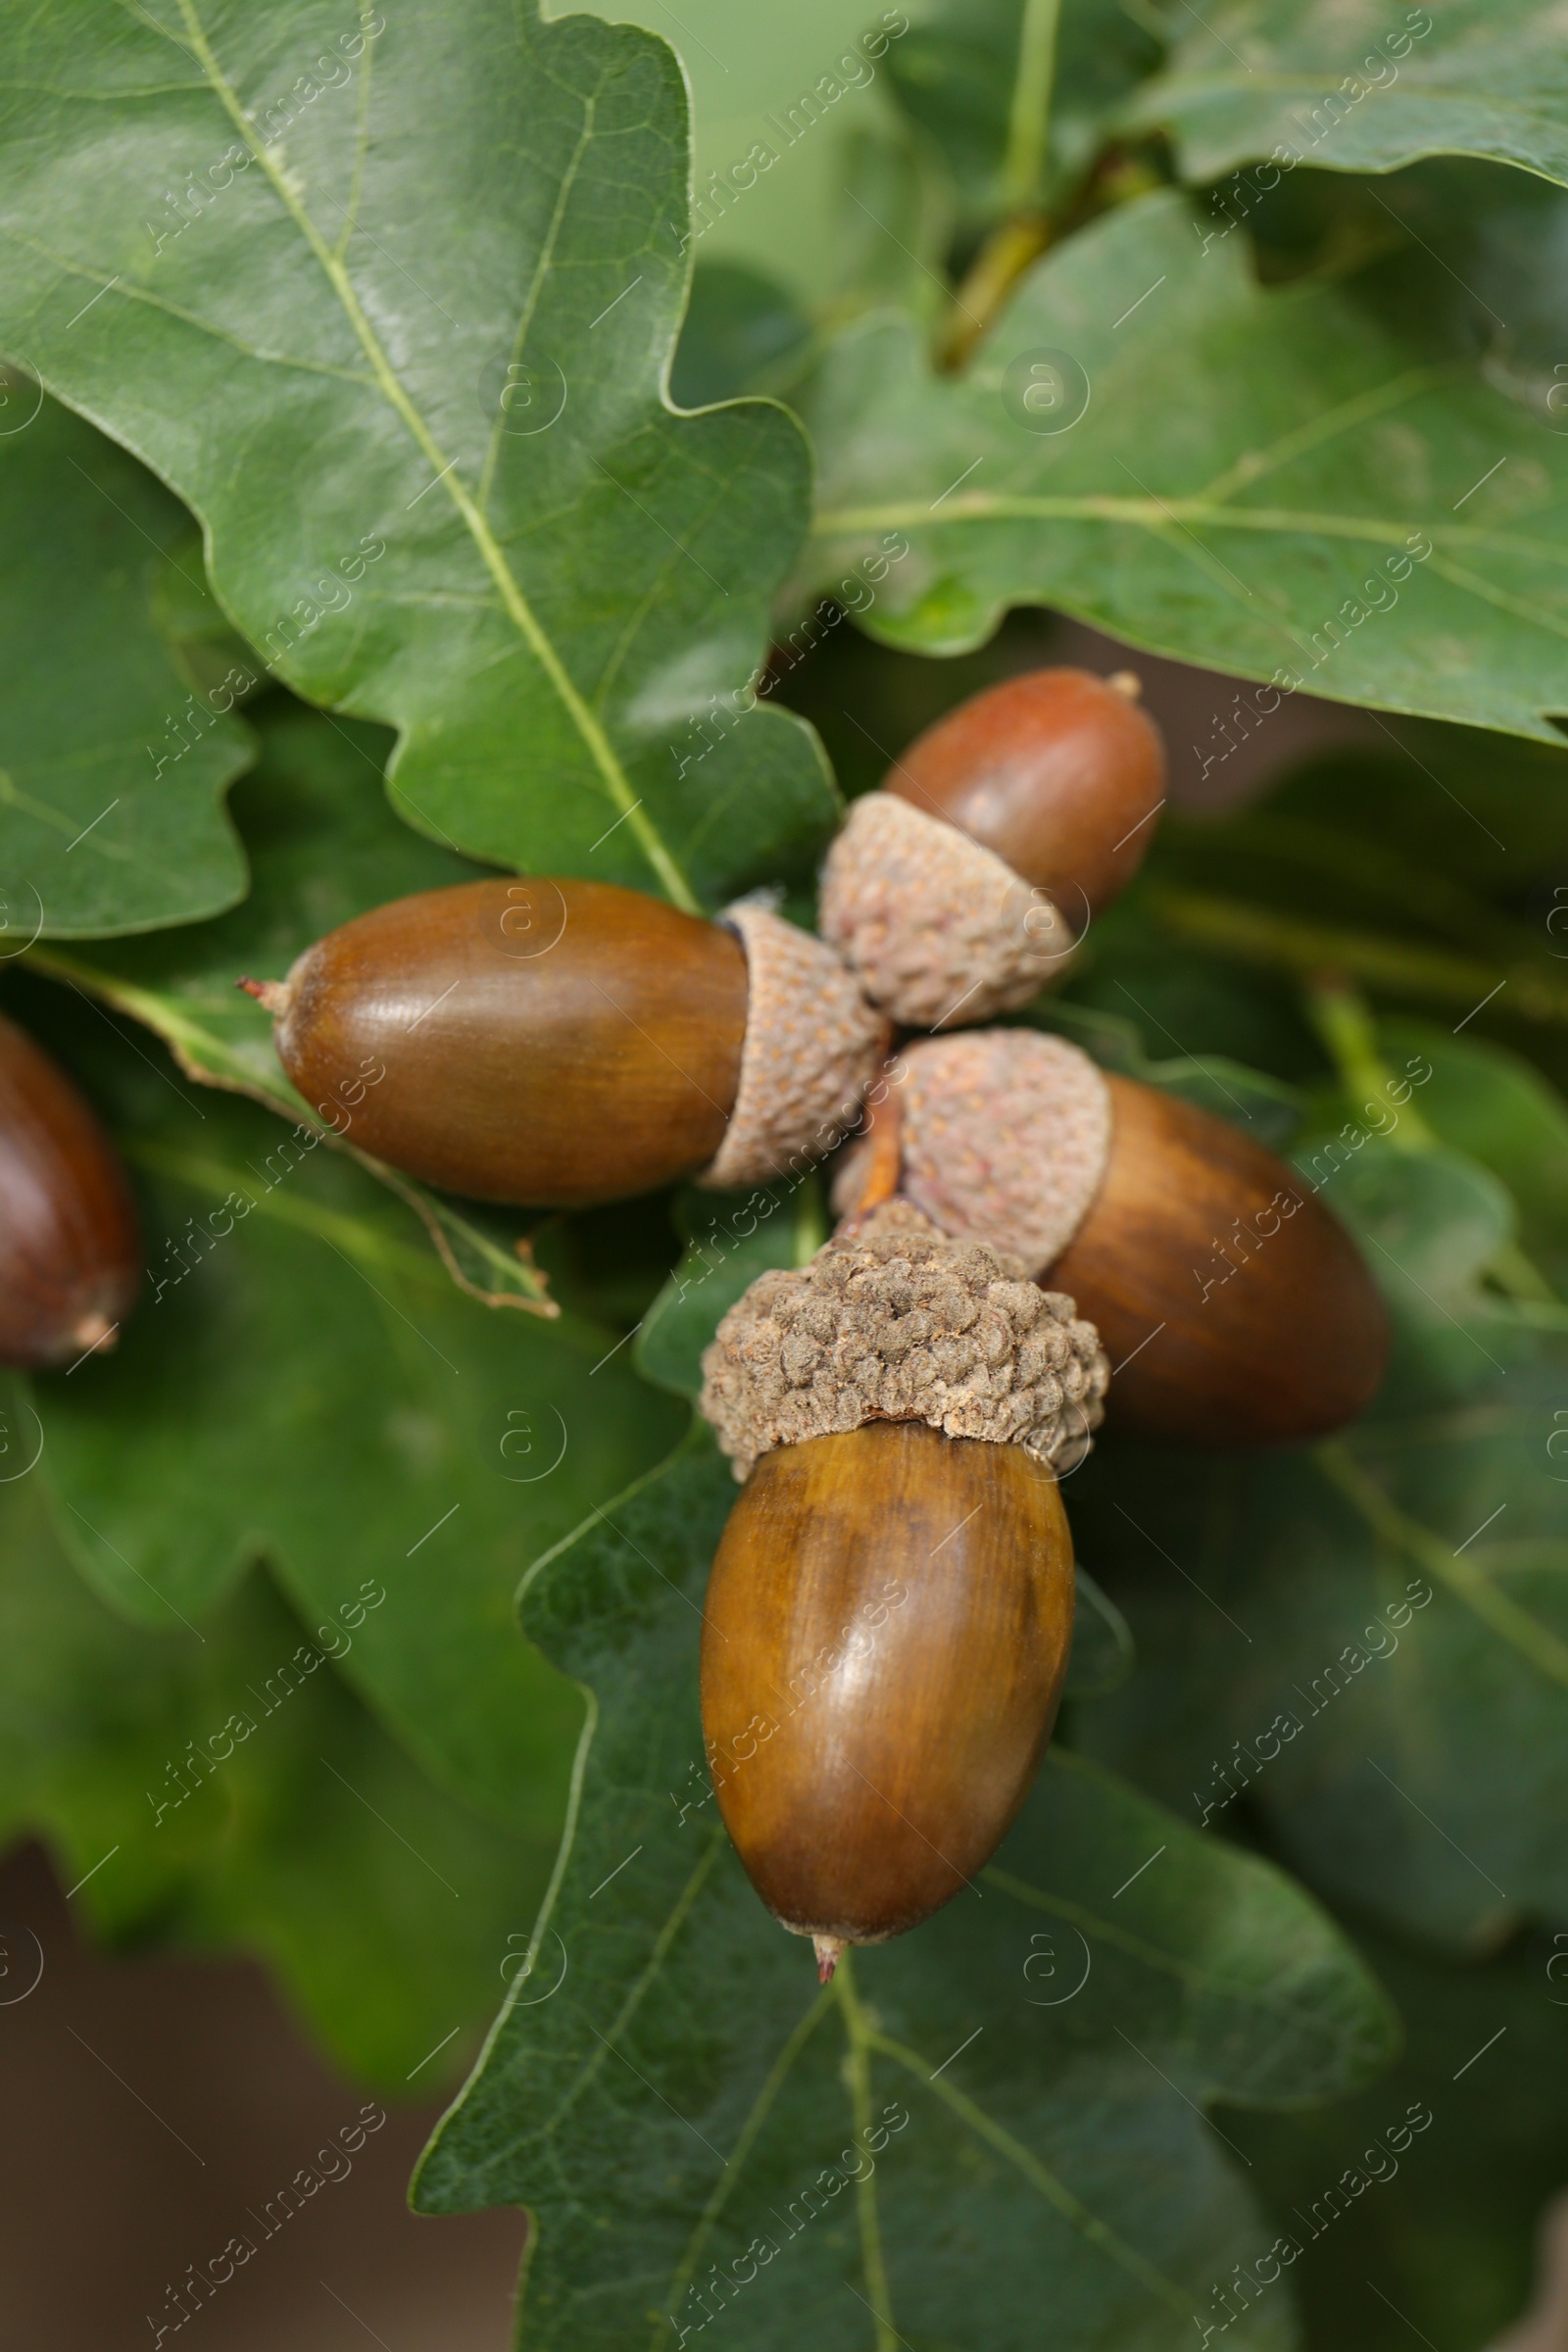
(301, 1380)
(422, 413)
(112, 771)
(1366, 1644)
(322, 847)
(973, 77)
(307, 1836)
(1445, 2225)
(1362, 87)
(1249, 466)
(681, 2083)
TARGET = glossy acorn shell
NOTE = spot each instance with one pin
(1056, 771)
(70, 1251)
(905, 1731)
(1290, 1339)
(544, 1043)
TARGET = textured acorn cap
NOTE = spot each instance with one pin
(1005, 1135)
(937, 928)
(893, 1321)
(813, 1047)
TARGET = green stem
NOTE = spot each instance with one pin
(1260, 935)
(1533, 1641)
(811, 1219)
(859, 2072)
(1344, 1020)
(1023, 232)
(1024, 168)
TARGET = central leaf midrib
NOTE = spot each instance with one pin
(1156, 516)
(602, 752)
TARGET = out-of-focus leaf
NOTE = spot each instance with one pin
(1368, 1644)
(1363, 87)
(112, 772)
(1431, 871)
(1267, 1108)
(1103, 1655)
(777, 96)
(740, 328)
(1246, 467)
(672, 2101)
(224, 1786)
(1499, 1112)
(1449, 2237)
(958, 77)
(302, 1380)
(324, 846)
(420, 410)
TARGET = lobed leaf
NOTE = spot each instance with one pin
(113, 771)
(302, 1381)
(672, 2102)
(422, 413)
(324, 846)
(1250, 484)
(224, 1787)
(1360, 88)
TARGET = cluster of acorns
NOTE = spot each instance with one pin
(889, 1613)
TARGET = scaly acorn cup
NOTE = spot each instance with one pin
(558, 1043)
(890, 1608)
(70, 1251)
(960, 889)
(1236, 1310)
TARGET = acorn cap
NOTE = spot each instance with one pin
(937, 927)
(1005, 1135)
(813, 1047)
(893, 1321)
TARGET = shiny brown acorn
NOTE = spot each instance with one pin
(884, 1641)
(558, 1043)
(1270, 1330)
(70, 1251)
(1235, 1308)
(1059, 771)
(890, 1608)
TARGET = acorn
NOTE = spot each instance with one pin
(962, 886)
(558, 1043)
(70, 1250)
(1236, 1310)
(890, 1609)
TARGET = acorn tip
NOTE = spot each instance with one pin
(829, 1950)
(1127, 684)
(273, 993)
(95, 1331)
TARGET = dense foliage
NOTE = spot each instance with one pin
(361, 538)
